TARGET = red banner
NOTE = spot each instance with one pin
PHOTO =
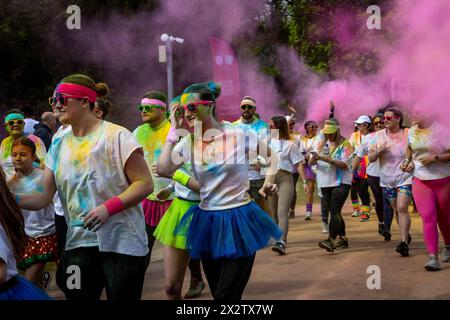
(226, 72)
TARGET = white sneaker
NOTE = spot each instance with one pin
(432, 264)
(308, 216)
(356, 213)
(446, 254)
(325, 227)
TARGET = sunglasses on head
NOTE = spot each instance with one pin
(62, 99)
(147, 108)
(389, 118)
(193, 106)
(13, 122)
(247, 107)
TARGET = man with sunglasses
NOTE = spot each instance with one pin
(151, 136)
(15, 123)
(252, 125)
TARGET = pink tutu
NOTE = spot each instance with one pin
(154, 211)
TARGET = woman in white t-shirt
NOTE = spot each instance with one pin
(360, 182)
(373, 177)
(429, 150)
(288, 156)
(389, 146)
(99, 171)
(227, 228)
(12, 246)
(333, 158)
(308, 143)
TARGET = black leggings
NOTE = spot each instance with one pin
(334, 199)
(227, 278)
(362, 187)
(374, 183)
(151, 241)
(61, 232)
(195, 269)
(121, 275)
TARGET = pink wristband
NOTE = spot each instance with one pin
(114, 205)
(172, 136)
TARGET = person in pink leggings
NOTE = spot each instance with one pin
(429, 150)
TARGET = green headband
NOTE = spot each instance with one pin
(14, 116)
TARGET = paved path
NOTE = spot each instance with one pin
(308, 272)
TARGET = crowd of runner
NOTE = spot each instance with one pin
(97, 196)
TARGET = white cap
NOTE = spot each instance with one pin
(363, 119)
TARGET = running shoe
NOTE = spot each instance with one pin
(291, 214)
(356, 213)
(341, 244)
(279, 247)
(446, 254)
(381, 229)
(433, 264)
(195, 289)
(325, 228)
(403, 249)
(308, 215)
(327, 245)
(365, 217)
(387, 235)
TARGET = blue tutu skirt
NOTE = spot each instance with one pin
(22, 289)
(232, 233)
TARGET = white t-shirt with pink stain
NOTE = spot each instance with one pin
(391, 176)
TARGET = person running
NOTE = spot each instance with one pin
(389, 146)
(14, 122)
(99, 171)
(360, 181)
(429, 150)
(39, 225)
(151, 136)
(333, 157)
(176, 257)
(308, 143)
(227, 228)
(102, 108)
(295, 137)
(13, 241)
(256, 130)
(356, 202)
(46, 128)
(373, 173)
(288, 156)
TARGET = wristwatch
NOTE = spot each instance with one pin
(436, 157)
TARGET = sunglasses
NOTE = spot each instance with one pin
(192, 107)
(147, 108)
(13, 122)
(389, 118)
(247, 107)
(63, 100)
(312, 127)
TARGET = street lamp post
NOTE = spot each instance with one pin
(168, 41)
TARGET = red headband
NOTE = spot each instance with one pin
(77, 90)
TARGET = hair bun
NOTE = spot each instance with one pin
(102, 89)
(215, 88)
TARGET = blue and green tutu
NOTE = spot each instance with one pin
(18, 288)
(164, 232)
(231, 233)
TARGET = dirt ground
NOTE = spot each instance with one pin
(309, 272)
